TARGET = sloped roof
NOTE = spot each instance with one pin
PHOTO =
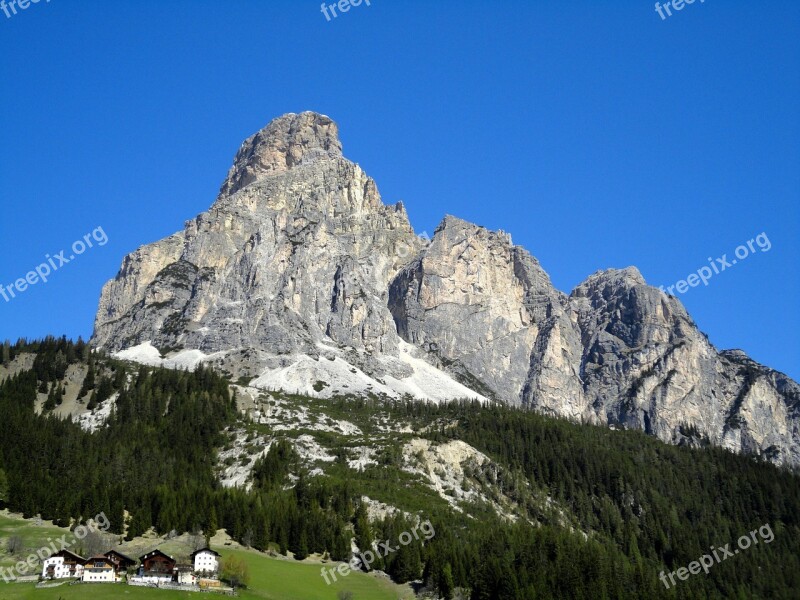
(120, 555)
(68, 554)
(204, 550)
(100, 557)
(152, 553)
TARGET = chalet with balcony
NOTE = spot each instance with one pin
(63, 565)
(121, 562)
(156, 567)
(99, 569)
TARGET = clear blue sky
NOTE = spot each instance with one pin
(596, 133)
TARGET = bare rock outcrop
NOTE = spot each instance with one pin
(299, 262)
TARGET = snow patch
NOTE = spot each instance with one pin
(144, 353)
(324, 377)
(147, 354)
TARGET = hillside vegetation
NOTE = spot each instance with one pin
(543, 508)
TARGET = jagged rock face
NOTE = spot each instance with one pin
(284, 143)
(482, 304)
(634, 336)
(298, 246)
(299, 254)
(647, 366)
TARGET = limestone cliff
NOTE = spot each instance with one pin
(299, 276)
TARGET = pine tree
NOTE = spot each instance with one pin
(168, 513)
(92, 404)
(50, 403)
(261, 532)
(4, 488)
(88, 381)
(445, 584)
(302, 547)
(340, 549)
(406, 564)
(363, 532)
(212, 525)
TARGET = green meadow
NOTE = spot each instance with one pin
(33, 536)
(270, 578)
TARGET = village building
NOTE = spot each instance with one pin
(206, 562)
(184, 575)
(62, 565)
(121, 562)
(99, 569)
(156, 567)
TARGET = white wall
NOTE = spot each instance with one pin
(104, 575)
(206, 561)
(60, 570)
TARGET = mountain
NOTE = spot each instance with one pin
(518, 505)
(299, 278)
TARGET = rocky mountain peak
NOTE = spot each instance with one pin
(286, 142)
(609, 279)
(299, 277)
(452, 227)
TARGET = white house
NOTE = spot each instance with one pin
(184, 575)
(205, 561)
(63, 565)
(99, 569)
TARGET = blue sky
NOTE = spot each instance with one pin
(596, 133)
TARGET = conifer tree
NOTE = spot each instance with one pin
(362, 529)
(3, 487)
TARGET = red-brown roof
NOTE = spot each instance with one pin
(155, 553)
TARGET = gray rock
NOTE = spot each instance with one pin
(299, 255)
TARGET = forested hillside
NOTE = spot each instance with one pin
(624, 506)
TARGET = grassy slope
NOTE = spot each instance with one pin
(286, 580)
(271, 579)
(33, 536)
(98, 591)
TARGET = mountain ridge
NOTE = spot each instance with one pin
(298, 262)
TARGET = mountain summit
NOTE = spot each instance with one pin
(286, 142)
(299, 277)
